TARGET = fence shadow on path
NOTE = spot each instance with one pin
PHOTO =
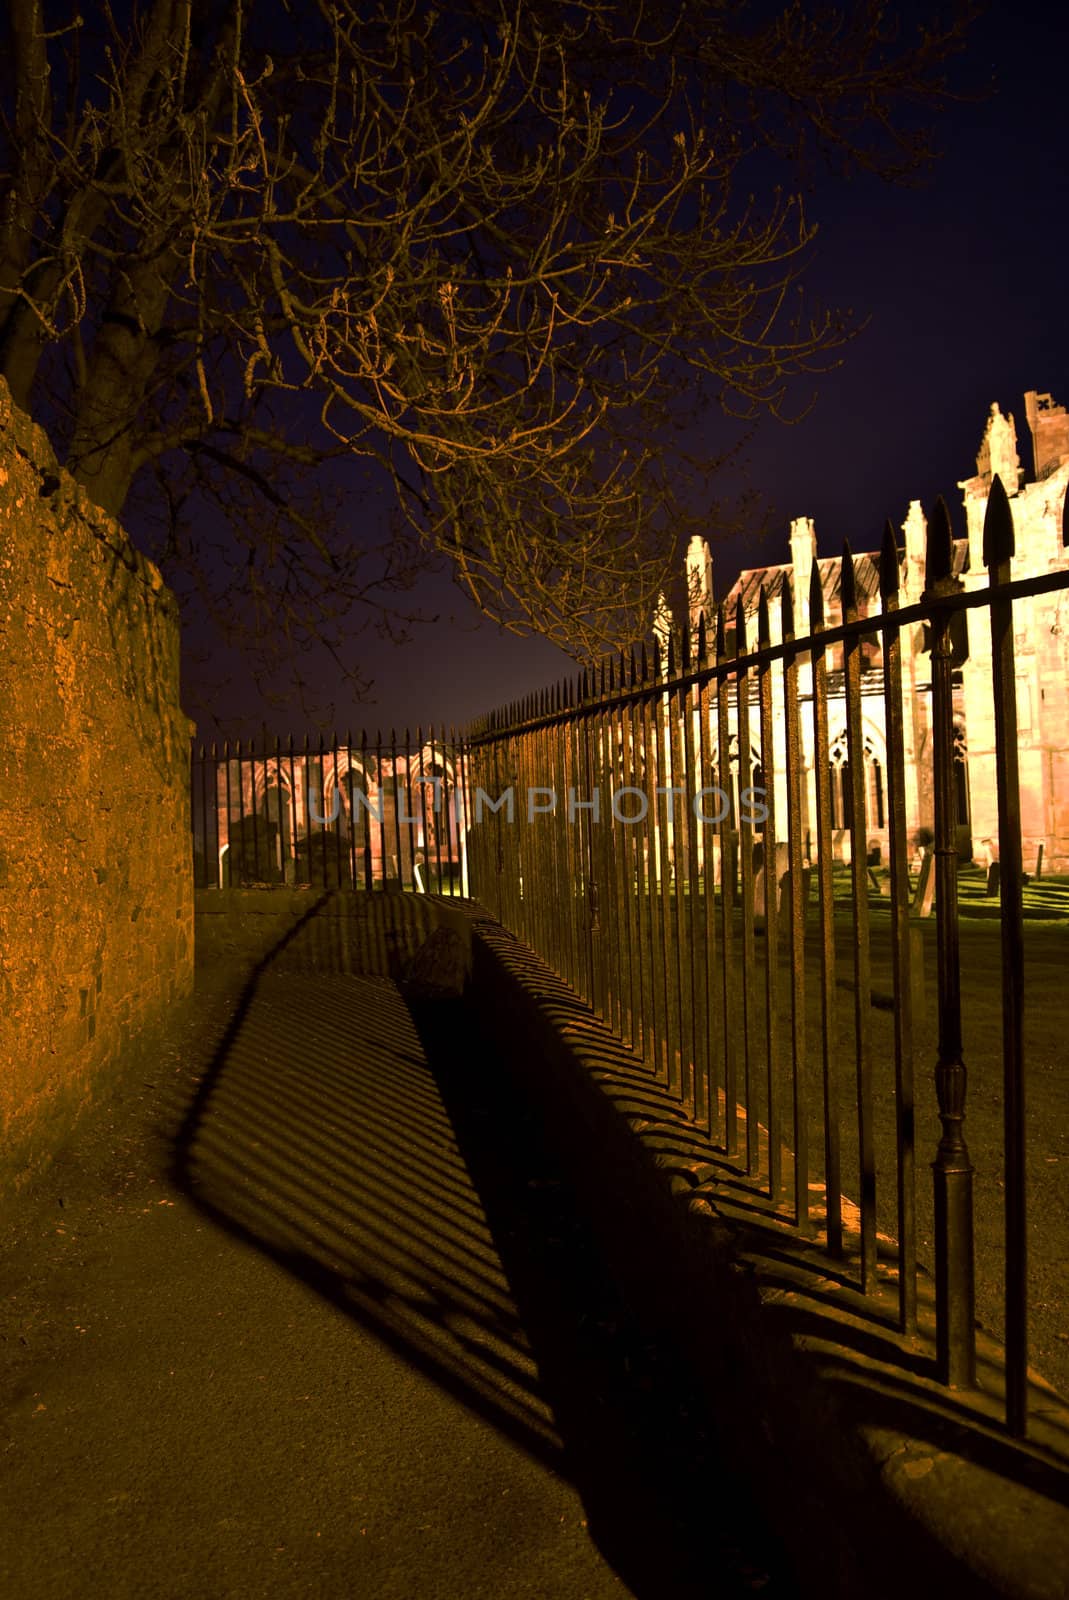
(385, 1158)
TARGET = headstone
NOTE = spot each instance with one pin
(925, 891)
(785, 893)
(782, 871)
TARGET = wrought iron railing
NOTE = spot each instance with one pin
(661, 833)
(689, 842)
(355, 814)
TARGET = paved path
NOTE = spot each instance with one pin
(309, 1312)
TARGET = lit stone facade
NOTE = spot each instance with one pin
(1041, 657)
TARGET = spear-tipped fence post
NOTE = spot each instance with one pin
(952, 1168)
(998, 552)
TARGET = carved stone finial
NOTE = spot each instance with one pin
(998, 451)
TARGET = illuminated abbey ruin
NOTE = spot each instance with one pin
(1041, 648)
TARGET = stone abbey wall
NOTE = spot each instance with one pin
(96, 886)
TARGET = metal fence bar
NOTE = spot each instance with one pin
(725, 834)
(640, 830)
(706, 768)
(601, 831)
(664, 868)
(826, 902)
(651, 671)
(798, 886)
(432, 824)
(901, 976)
(615, 866)
(769, 868)
(954, 1285)
(679, 814)
(690, 709)
(998, 553)
(746, 889)
(859, 903)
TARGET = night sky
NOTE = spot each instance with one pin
(963, 279)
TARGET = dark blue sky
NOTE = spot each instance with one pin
(964, 282)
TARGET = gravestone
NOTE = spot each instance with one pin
(785, 892)
(925, 891)
(782, 873)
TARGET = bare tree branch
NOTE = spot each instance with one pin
(496, 251)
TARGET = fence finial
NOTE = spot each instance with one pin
(721, 632)
(816, 597)
(703, 645)
(1065, 518)
(888, 563)
(740, 626)
(999, 541)
(787, 607)
(645, 663)
(848, 583)
(764, 635)
(940, 554)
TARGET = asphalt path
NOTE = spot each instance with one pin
(308, 1309)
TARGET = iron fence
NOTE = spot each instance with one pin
(673, 835)
(351, 814)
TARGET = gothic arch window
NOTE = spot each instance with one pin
(842, 798)
(738, 782)
(276, 806)
(272, 800)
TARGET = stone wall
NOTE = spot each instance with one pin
(96, 890)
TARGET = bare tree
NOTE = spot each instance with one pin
(498, 250)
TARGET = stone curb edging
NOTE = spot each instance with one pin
(878, 1484)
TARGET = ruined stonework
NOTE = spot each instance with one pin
(1041, 651)
(96, 890)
